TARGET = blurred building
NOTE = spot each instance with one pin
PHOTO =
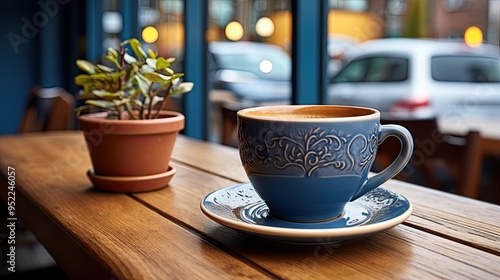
(447, 19)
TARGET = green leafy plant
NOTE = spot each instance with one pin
(139, 84)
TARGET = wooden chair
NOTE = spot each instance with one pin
(446, 162)
(48, 109)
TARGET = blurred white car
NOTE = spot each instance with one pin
(420, 78)
(253, 72)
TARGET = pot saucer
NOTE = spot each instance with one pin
(130, 184)
(240, 207)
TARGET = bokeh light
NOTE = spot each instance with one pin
(234, 31)
(150, 34)
(473, 36)
(266, 66)
(264, 27)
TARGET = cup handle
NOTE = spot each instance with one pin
(397, 165)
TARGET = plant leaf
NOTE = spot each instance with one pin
(101, 77)
(82, 79)
(137, 49)
(86, 66)
(116, 76)
(105, 68)
(152, 54)
(182, 88)
(112, 59)
(169, 71)
(147, 69)
(156, 77)
(112, 52)
(162, 63)
(129, 59)
(143, 84)
(133, 93)
(102, 94)
(157, 99)
(151, 62)
(101, 103)
(175, 81)
(120, 102)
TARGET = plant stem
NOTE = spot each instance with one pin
(150, 105)
(164, 101)
(122, 64)
(119, 109)
(130, 111)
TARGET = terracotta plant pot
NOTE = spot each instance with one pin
(128, 152)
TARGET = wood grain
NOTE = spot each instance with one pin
(402, 252)
(164, 235)
(465, 220)
(124, 238)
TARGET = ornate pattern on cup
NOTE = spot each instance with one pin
(313, 150)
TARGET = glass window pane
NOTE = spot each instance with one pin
(387, 69)
(171, 31)
(353, 72)
(465, 69)
(377, 69)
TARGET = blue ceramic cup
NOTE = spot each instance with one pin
(308, 161)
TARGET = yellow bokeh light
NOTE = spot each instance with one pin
(150, 34)
(473, 36)
(234, 31)
(264, 27)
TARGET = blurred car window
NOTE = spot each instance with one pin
(376, 69)
(471, 69)
(354, 72)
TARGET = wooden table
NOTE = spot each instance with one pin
(164, 235)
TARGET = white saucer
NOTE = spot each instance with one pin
(240, 207)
